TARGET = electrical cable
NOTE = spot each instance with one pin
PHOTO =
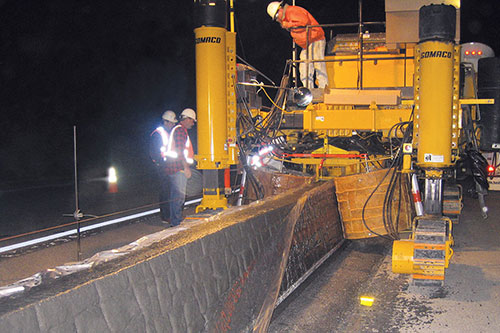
(366, 203)
(255, 132)
(271, 100)
(395, 181)
(472, 158)
(255, 69)
(244, 147)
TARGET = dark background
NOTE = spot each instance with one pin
(112, 67)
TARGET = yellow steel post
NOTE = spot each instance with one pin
(216, 99)
(232, 149)
(434, 104)
(231, 15)
(211, 96)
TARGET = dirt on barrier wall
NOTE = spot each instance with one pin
(223, 273)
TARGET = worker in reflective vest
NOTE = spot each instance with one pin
(160, 139)
(171, 153)
(179, 155)
(313, 45)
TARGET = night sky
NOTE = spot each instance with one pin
(112, 67)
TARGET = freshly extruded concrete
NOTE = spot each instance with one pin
(222, 274)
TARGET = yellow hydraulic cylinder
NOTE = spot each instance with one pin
(211, 97)
(434, 103)
(402, 256)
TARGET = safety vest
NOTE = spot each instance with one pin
(188, 148)
(165, 139)
(295, 16)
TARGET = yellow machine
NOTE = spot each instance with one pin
(393, 102)
(216, 99)
(435, 139)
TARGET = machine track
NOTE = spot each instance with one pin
(431, 244)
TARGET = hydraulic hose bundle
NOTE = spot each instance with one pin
(397, 187)
(254, 132)
(478, 166)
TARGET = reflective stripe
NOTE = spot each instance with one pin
(188, 150)
(171, 152)
(165, 140)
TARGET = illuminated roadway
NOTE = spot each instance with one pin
(328, 301)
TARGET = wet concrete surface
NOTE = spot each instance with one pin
(469, 301)
(328, 297)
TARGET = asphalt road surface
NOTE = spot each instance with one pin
(469, 301)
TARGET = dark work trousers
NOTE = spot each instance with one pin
(164, 195)
(178, 182)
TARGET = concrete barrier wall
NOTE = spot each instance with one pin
(222, 274)
(317, 233)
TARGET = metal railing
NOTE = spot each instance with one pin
(360, 25)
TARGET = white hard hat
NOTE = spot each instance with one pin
(272, 9)
(169, 116)
(188, 113)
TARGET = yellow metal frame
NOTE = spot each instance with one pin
(461, 102)
(346, 119)
(336, 166)
(343, 70)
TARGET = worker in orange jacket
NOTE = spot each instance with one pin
(295, 16)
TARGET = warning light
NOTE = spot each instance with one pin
(491, 169)
(473, 52)
(366, 300)
(112, 180)
(467, 52)
(479, 52)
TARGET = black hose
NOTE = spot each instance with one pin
(478, 166)
(396, 185)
